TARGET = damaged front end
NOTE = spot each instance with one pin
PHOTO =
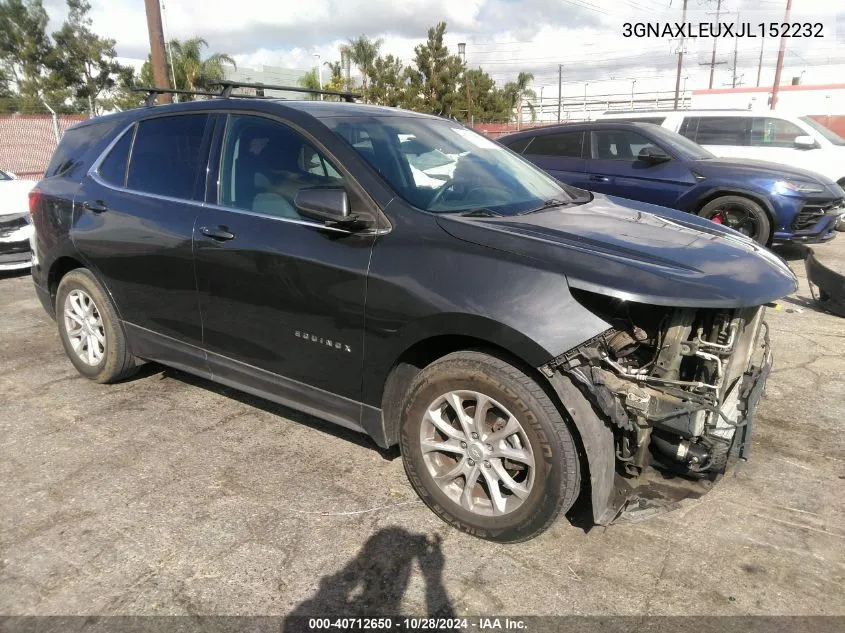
(679, 387)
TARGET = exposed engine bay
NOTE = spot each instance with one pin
(679, 385)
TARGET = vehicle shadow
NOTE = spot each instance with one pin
(374, 582)
(151, 369)
(791, 252)
(12, 274)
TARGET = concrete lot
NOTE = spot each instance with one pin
(168, 494)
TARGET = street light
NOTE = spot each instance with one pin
(585, 100)
(633, 83)
(319, 72)
(684, 91)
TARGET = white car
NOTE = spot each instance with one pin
(797, 141)
(15, 224)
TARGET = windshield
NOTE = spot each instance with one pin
(440, 166)
(826, 132)
(685, 148)
(4, 175)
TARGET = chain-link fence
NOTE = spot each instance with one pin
(28, 138)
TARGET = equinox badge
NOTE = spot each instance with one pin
(305, 336)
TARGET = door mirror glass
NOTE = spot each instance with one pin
(327, 204)
(804, 141)
(653, 155)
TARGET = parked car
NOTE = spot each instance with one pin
(15, 227)
(765, 201)
(795, 141)
(518, 339)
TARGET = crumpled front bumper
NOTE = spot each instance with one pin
(653, 493)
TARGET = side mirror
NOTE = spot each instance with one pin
(653, 155)
(805, 141)
(327, 204)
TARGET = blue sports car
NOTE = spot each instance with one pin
(768, 202)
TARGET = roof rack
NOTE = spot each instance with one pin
(152, 93)
(226, 88)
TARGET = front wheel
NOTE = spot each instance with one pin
(486, 449)
(741, 214)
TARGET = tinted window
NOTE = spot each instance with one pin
(722, 130)
(771, 132)
(565, 144)
(68, 158)
(166, 157)
(519, 145)
(826, 132)
(619, 144)
(689, 127)
(265, 164)
(656, 120)
(4, 176)
(113, 167)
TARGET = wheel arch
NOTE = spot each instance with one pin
(58, 269)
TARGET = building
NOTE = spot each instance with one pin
(270, 75)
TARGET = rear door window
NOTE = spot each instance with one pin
(519, 145)
(564, 144)
(619, 145)
(722, 130)
(167, 157)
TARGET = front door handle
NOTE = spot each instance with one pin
(219, 233)
(96, 206)
(599, 178)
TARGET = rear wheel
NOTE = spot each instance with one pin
(90, 330)
(740, 214)
(486, 449)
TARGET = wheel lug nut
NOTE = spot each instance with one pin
(487, 464)
(489, 447)
(463, 444)
(475, 436)
(471, 462)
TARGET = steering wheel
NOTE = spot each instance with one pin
(438, 197)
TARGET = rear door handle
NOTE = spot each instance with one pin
(219, 233)
(599, 178)
(97, 206)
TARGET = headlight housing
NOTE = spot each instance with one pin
(798, 186)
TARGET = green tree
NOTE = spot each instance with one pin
(439, 73)
(311, 81)
(489, 103)
(25, 49)
(84, 62)
(191, 70)
(336, 79)
(363, 51)
(388, 82)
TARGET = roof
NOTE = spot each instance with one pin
(577, 127)
(326, 109)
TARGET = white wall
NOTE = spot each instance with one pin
(797, 99)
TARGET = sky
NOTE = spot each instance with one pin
(503, 37)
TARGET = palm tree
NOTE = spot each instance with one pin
(362, 51)
(519, 92)
(190, 70)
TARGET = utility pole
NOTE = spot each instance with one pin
(559, 88)
(781, 51)
(715, 39)
(680, 59)
(157, 52)
(736, 46)
(760, 61)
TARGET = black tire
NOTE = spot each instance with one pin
(557, 469)
(117, 362)
(741, 214)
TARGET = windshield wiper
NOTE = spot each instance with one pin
(548, 204)
(481, 213)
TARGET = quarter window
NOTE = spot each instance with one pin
(113, 167)
(567, 144)
(771, 132)
(265, 164)
(520, 144)
(166, 157)
(722, 130)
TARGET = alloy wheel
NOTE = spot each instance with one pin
(84, 327)
(477, 453)
(736, 217)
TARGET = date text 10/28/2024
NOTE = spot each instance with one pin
(417, 624)
(722, 29)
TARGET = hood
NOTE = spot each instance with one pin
(14, 196)
(638, 252)
(748, 166)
